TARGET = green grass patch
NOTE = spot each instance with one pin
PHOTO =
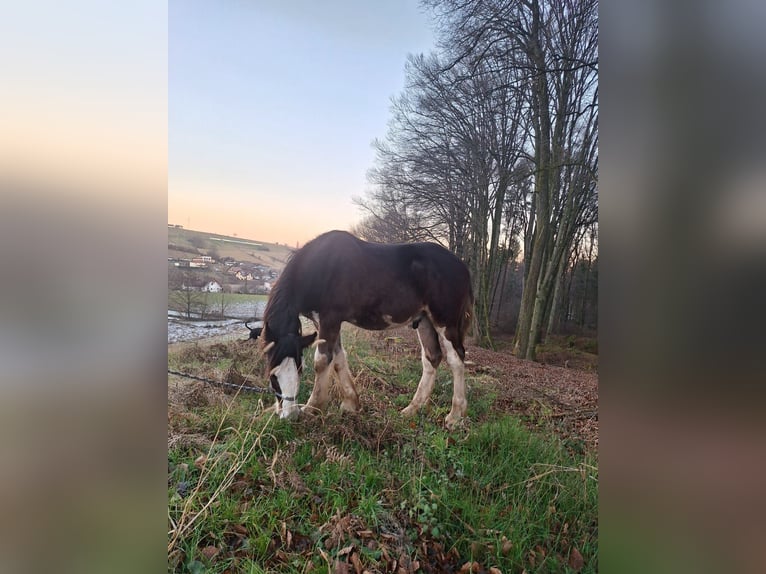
(254, 494)
(175, 298)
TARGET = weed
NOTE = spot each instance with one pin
(373, 489)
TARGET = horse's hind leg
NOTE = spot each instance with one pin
(430, 355)
(350, 401)
(455, 351)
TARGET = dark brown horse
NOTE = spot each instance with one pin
(337, 277)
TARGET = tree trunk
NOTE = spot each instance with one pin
(521, 347)
(525, 339)
(553, 308)
(550, 272)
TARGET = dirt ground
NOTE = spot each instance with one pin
(566, 398)
(560, 392)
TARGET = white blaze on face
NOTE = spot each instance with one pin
(289, 382)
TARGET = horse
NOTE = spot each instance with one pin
(338, 277)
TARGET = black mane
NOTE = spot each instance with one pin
(281, 322)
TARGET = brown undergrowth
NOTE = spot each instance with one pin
(562, 399)
(327, 493)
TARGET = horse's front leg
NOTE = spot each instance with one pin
(350, 400)
(323, 358)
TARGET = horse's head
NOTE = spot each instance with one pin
(285, 362)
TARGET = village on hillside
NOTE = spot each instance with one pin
(204, 263)
(206, 274)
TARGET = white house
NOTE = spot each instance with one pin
(212, 287)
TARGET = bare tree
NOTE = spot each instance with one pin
(185, 295)
(492, 150)
(447, 165)
(223, 302)
(553, 46)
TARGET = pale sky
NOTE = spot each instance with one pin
(273, 106)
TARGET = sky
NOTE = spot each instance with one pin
(273, 107)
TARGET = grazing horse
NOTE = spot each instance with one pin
(337, 277)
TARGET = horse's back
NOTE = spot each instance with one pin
(423, 263)
(337, 265)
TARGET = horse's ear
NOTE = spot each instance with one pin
(306, 340)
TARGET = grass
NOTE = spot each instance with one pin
(373, 490)
(230, 297)
(177, 300)
(570, 351)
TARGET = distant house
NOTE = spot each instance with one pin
(212, 287)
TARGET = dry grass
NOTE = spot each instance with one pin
(341, 492)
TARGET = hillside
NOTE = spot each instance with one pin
(512, 489)
(187, 243)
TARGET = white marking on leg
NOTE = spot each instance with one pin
(350, 400)
(289, 383)
(459, 403)
(321, 393)
(425, 386)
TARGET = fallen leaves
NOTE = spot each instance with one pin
(571, 393)
(565, 399)
(506, 546)
(357, 562)
(576, 561)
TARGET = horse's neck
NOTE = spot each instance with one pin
(288, 319)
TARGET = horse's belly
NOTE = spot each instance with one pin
(380, 322)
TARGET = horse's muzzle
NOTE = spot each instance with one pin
(290, 413)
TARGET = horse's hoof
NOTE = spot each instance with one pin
(452, 421)
(409, 411)
(350, 407)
